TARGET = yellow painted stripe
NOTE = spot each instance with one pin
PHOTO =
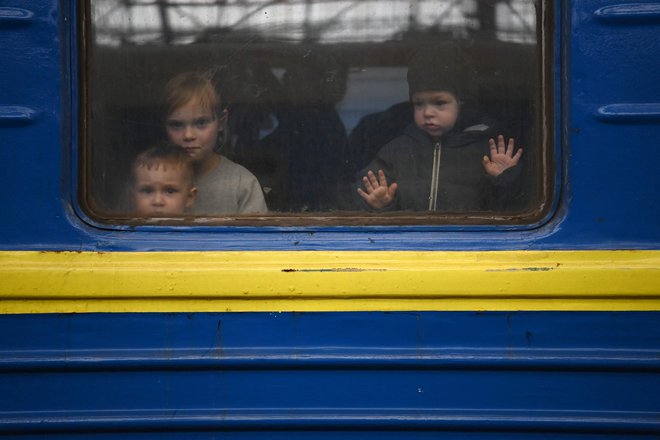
(46, 282)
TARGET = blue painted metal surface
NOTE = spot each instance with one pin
(351, 375)
(645, 12)
(469, 374)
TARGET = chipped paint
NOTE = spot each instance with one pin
(518, 269)
(341, 269)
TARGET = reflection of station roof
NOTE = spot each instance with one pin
(177, 22)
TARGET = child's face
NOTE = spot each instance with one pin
(162, 191)
(435, 112)
(194, 128)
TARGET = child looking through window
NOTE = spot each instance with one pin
(162, 182)
(195, 120)
(435, 165)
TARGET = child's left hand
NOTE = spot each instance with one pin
(501, 157)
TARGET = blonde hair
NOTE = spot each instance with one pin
(165, 154)
(188, 86)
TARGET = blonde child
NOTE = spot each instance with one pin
(195, 120)
(162, 182)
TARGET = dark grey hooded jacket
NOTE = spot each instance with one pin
(462, 184)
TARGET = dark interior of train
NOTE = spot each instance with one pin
(339, 100)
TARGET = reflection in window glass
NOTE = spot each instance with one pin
(332, 107)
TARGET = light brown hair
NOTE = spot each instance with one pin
(166, 155)
(192, 85)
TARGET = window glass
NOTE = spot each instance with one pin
(369, 111)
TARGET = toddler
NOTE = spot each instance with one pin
(434, 166)
(162, 182)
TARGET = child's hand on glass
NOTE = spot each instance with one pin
(378, 194)
(501, 156)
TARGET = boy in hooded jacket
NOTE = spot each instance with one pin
(434, 166)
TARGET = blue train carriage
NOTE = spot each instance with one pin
(537, 322)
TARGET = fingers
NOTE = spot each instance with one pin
(509, 150)
(382, 181)
(509, 147)
(367, 184)
(501, 149)
(516, 157)
(488, 165)
(376, 192)
(373, 180)
(370, 182)
(380, 197)
(493, 147)
(392, 190)
(371, 199)
(363, 194)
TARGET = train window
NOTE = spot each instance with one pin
(304, 112)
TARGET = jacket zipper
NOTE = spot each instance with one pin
(435, 174)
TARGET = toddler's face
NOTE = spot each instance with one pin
(435, 112)
(194, 128)
(162, 191)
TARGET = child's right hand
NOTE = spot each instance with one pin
(378, 195)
